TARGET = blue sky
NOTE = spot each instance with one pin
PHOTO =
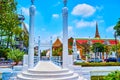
(83, 15)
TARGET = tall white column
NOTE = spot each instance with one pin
(39, 53)
(65, 35)
(31, 37)
(50, 48)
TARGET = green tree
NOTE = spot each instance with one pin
(25, 36)
(98, 47)
(43, 53)
(117, 28)
(8, 20)
(116, 48)
(55, 53)
(15, 55)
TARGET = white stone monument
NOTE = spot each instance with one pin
(65, 35)
(31, 37)
(46, 70)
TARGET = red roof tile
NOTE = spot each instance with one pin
(111, 41)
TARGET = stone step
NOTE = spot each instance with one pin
(73, 77)
(54, 75)
(48, 72)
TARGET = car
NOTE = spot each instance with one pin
(79, 61)
(111, 59)
(95, 60)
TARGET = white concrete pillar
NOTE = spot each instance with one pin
(50, 48)
(39, 53)
(25, 62)
(31, 37)
(65, 35)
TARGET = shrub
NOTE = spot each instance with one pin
(99, 64)
(3, 52)
(97, 77)
(113, 76)
(15, 55)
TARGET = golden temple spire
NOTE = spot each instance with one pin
(97, 32)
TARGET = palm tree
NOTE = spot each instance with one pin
(15, 55)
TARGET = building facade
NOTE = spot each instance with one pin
(81, 41)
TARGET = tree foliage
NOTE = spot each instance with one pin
(43, 53)
(57, 52)
(117, 28)
(8, 21)
(107, 49)
(70, 51)
(116, 48)
(98, 47)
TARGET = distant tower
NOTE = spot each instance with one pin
(97, 32)
(65, 34)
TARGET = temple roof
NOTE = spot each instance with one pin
(57, 43)
(85, 40)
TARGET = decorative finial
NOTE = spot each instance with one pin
(32, 1)
(65, 3)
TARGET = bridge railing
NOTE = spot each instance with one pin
(57, 60)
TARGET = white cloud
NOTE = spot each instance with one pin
(60, 34)
(82, 24)
(25, 11)
(83, 10)
(57, 4)
(70, 28)
(99, 8)
(110, 29)
(55, 16)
